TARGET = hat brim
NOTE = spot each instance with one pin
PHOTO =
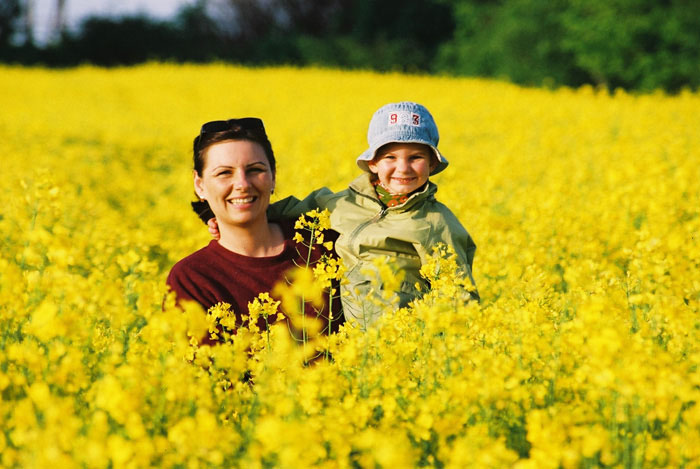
(368, 155)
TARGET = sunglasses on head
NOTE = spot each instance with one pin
(243, 124)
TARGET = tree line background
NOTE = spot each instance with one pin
(631, 44)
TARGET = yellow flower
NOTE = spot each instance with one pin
(45, 323)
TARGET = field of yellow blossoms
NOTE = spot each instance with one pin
(584, 351)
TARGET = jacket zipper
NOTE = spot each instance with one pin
(374, 219)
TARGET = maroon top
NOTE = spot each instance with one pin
(214, 274)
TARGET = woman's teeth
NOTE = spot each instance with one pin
(241, 201)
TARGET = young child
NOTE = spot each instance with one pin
(390, 210)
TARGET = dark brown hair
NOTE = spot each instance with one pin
(247, 128)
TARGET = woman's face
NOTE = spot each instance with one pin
(236, 181)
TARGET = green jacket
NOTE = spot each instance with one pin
(405, 233)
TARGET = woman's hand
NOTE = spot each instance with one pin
(213, 228)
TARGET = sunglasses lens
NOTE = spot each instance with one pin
(250, 123)
(246, 123)
(215, 126)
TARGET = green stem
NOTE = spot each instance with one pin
(303, 302)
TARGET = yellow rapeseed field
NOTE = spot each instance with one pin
(584, 352)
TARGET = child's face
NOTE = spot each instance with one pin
(403, 167)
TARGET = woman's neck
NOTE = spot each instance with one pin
(263, 240)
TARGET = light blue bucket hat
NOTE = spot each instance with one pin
(404, 122)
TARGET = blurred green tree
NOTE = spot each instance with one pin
(634, 44)
(642, 44)
(10, 11)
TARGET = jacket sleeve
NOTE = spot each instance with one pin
(291, 207)
(446, 228)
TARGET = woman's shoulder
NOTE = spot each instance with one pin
(201, 257)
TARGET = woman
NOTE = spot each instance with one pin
(234, 172)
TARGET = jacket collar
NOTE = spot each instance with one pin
(363, 186)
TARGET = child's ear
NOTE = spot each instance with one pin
(433, 162)
(372, 165)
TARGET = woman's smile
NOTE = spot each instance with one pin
(241, 200)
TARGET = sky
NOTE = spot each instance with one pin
(76, 10)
